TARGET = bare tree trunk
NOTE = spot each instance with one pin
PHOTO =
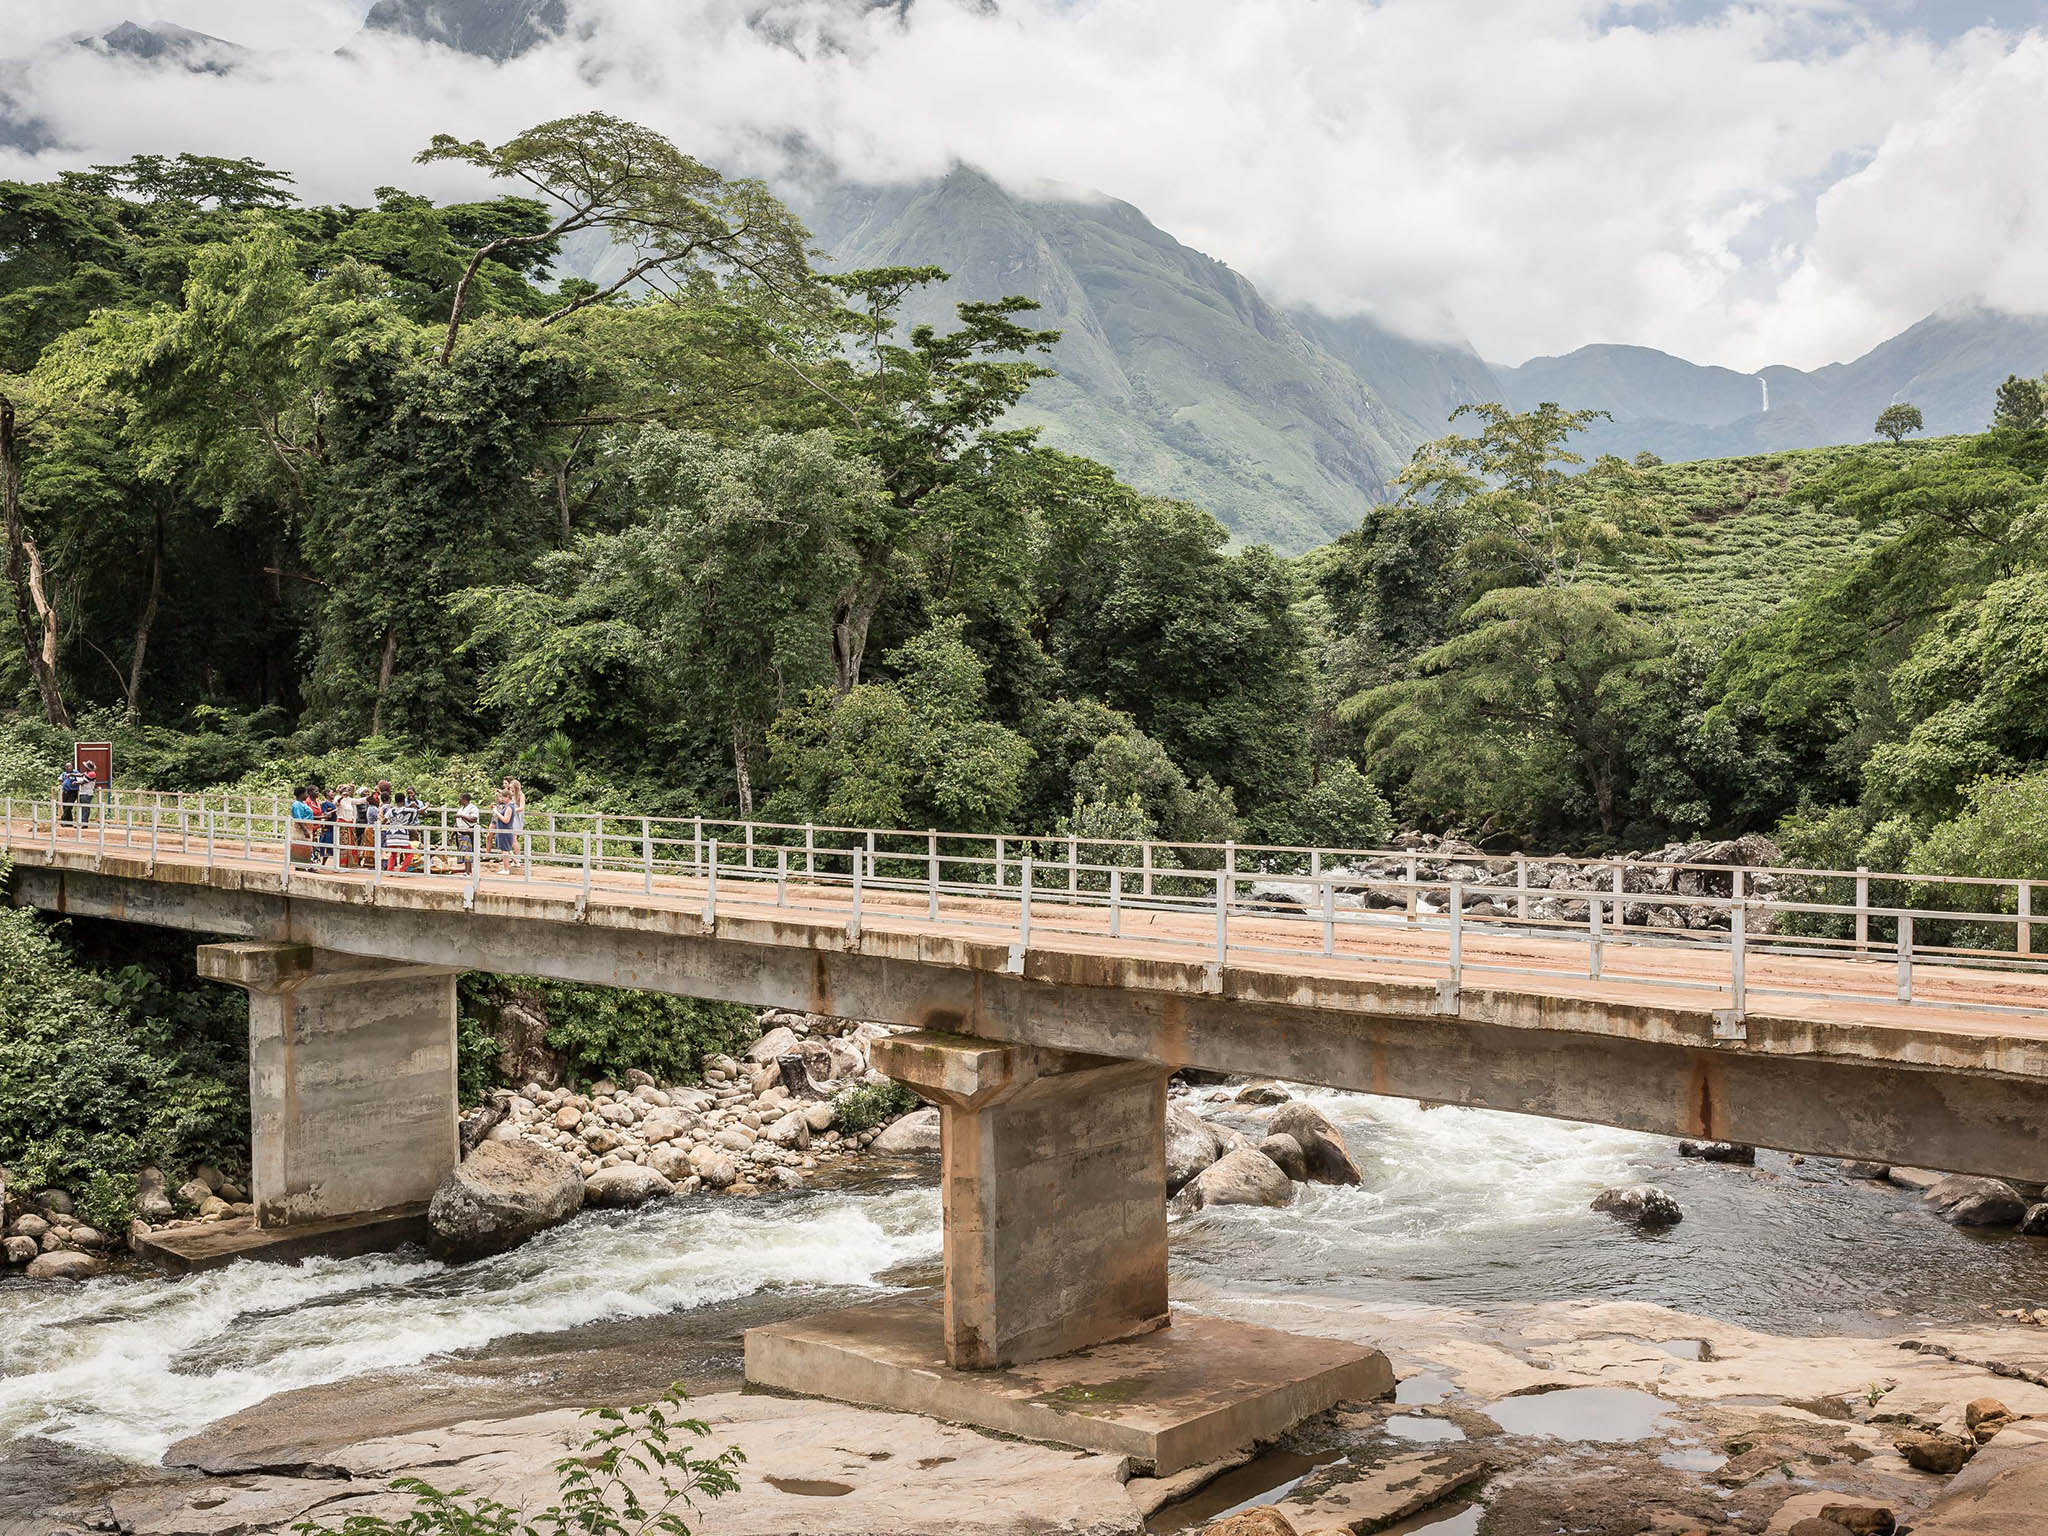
(851, 616)
(562, 483)
(33, 609)
(384, 669)
(741, 770)
(144, 624)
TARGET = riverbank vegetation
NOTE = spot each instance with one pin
(330, 493)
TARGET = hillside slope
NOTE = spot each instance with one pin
(1173, 369)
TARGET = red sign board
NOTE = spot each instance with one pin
(98, 753)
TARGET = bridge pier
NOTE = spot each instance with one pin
(1054, 1321)
(1053, 1172)
(352, 1100)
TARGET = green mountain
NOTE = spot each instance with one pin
(1173, 369)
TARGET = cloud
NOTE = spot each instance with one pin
(1741, 183)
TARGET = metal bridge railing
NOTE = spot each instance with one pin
(1490, 916)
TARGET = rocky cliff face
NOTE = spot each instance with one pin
(494, 29)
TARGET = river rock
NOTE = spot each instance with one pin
(1931, 1451)
(1190, 1147)
(65, 1264)
(1860, 1517)
(791, 1130)
(1243, 1177)
(152, 1196)
(213, 1208)
(500, 1195)
(91, 1239)
(1260, 1520)
(1640, 1205)
(1286, 1152)
(734, 1138)
(1962, 1201)
(1986, 1416)
(625, 1184)
(22, 1249)
(194, 1193)
(769, 1049)
(30, 1226)
(1264, 1092)
(1322, 1145)
(1717, 1151)
(914, 1135)
(57, 1203)
(666, 1125)
(1877, 1171)
(820, 1116)
(714, 1168)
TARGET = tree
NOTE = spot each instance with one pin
(2021, 405)
(675, 217)
(1898, 421)
(35, 607)
(924, 413)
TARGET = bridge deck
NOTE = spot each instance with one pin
(1986, 997)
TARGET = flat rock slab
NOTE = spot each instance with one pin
(1189, 1393)
(1391, 1491)
(185, 1250)
(811, 1469)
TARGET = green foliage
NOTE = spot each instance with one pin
(2021, 405)
(477, 1051)
(601, 1032)
(632, 1476)
(1898, 421)
(867, 1105)
(105, 1072)
(1341, 809)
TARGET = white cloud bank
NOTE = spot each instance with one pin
(1766, 182)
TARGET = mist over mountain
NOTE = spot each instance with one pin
(492, 29)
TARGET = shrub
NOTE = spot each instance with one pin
(603, 1031)
(104, 1072)
(872, 1104)
(596, 1495)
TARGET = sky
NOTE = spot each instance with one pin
(1741, 182)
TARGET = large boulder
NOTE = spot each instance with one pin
(1286, 1153)
(1322, 1145)
(1190, 1146)
(1640, 1205)
(1967, 1202)
(1717, 1151)
(500, 1195)
(1243, 1177)
(771, 1046)
(625, 1184)
(65, 1264)
(914, 1135)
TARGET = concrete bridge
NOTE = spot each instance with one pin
(1054, 986)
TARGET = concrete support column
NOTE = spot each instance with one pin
(352, 1103)
(1055, 1194)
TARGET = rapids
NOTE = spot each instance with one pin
(1459, 1207)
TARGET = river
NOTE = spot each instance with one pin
(1459, 1207)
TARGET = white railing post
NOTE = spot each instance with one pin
(696, 845)
(1000, 878)
(2025, 939)
(932, 871)
(1521, 887)
(1862, 906)
(711, 887)
(1147, 861)
(1329, 917)
(1620, 898)
(1414, 895)
(1025, 880)
(810, 849)
(647, 854)
(1229, 873)
(1072, 871)
(1457, 957)
(750, 845)
(782, 877)
(1593, 937)
(1222, 919)
(1116, 901)
(1738, 961)
(853, 923)
(1905, 959)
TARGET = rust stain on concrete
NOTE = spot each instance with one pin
(1703, 1108)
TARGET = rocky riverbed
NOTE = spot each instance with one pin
(1806, 1331)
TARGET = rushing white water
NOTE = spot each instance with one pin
(125, 1365)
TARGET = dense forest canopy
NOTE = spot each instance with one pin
(296, 487)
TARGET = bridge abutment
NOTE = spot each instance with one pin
(352, 1089)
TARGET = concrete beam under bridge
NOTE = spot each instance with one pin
(1949, 1093)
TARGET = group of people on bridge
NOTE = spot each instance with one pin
(374, 825)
